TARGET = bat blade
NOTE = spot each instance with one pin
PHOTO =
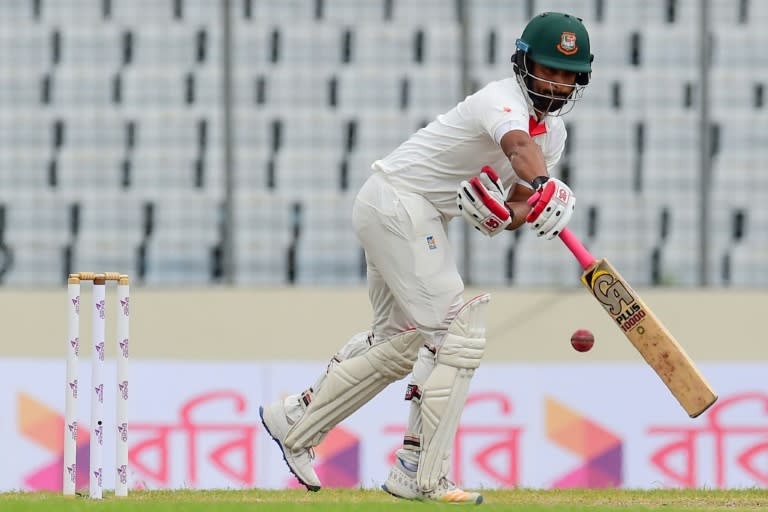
(649, 336)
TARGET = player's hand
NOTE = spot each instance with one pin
(481, 201)
(553, 209)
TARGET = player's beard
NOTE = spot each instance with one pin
(545, 102)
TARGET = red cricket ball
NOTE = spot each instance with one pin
(582, 340)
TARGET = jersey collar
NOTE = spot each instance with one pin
(536, 127)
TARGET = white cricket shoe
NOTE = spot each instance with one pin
(402, 484)
(299, 461)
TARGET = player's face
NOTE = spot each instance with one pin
(553, 84)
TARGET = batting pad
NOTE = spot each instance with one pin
(446, 389)
(351, 384)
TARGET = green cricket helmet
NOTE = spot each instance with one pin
(559, 41)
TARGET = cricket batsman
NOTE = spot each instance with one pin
(510, 131)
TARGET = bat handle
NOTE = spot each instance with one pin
(570, 240)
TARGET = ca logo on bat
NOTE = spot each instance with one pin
(617, 300)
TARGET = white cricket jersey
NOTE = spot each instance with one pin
(456, 145)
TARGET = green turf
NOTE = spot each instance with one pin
(343, 500)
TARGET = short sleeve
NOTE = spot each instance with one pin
(499, 111)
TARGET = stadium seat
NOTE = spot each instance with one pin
(200, 11)
(634, 13)
(87, 170)
(757, 15)
(77, 13)
(92, 45)
(176, 47)
(353, 11)
(143, 12)
(302, 172)
(736, 91)
(370, 88)
(110, 251)
(601, 152)
(611, 44)
(263, 229)
(111, 217)
(93, 129)
(622, 220)
(328, 251)
(319, 130)
(726, 12)
(749, 58)
(174, 130)
(191, 216)
(383, 44)
(25, 170)
(669, 47)
(282, 11)
(380, 132)
(584, 9)
(25, 47)
(536, 262)
(498, 12)
(748, 265)
(36, 215)
(252, 44)
(36, 263)
(155, 88)
(16, 12)
(618, 88)
(24, 130)
(671, 160)
(678, 264)
(285, 86)
(488, 257)
(258, 129)
(84, 86)
(425, 11)
(434, 89)
(174, 170)
(174, 261)
(20, 90)
(359, 168)
(310, 45)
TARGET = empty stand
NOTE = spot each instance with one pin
(122, 104)
(264, 229)
(327, 249)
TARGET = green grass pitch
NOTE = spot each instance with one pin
(359, 500)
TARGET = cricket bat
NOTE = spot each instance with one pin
(643, 329)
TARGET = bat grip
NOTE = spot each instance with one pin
(570, 240)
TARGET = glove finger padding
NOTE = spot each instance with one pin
(553, 210)
(492, 182)
(483, 205)
(469, 207)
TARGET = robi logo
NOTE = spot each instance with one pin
(338, 460)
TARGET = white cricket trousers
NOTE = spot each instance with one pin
(413, 280)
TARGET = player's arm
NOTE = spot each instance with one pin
(554, 209)
(517, 203)
(525, 156)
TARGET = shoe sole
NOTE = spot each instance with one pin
(310, 487)
(386, 489)
(478, 501)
